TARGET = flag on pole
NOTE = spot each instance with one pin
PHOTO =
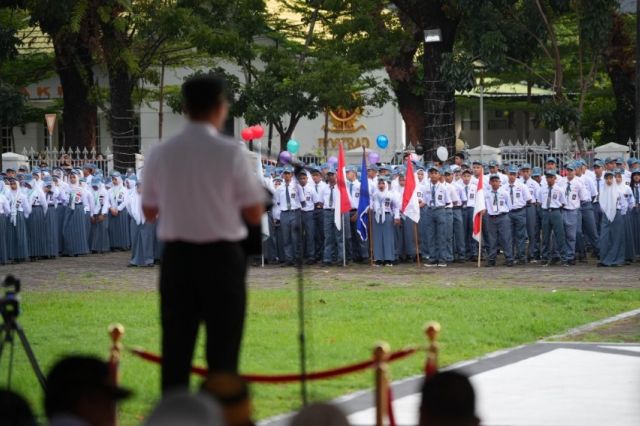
(343, 205)
(410, 207)
(363, 205)
(478, 209)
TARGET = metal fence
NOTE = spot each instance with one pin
(69, 158)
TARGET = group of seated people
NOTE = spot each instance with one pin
(81, 392)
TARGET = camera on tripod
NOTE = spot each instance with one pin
(10, 302)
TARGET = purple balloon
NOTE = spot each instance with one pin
(374, 157)
(333, 160)
(285, 157)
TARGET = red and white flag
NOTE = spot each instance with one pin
(343, 204)
(479, 208)
(410, 207)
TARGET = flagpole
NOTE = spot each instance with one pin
(415, 234)
(480, 240)
(344, 249)
(370, 235)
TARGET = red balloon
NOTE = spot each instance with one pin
(247, 134)
(258, 131)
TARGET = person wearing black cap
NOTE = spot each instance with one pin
(80, 391)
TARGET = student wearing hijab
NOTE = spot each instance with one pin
(52, 229)
(386, 213)
(99, 210)
(5, 211)
(118, 216)
(611, 203)
(635, 210)
(627, 205)
(141, 231)
(36, 229)
(19, 209)
(61, 187)
(74, 230)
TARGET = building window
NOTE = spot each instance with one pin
(470, 119)
(500, 120)
(6, 138)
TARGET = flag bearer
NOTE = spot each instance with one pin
(333, 237)
(470, 188)
(386, 213)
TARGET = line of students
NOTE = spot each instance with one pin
(45, 214)
(531, 215)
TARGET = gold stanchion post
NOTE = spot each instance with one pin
(116, 331)
(431, 330)
(381, 371)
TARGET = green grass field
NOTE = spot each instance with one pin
(343, 324)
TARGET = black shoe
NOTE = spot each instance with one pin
(509, 263)
(566, 264)
(327, 263)
(310, 262)
(602, 265)
(546, 263)
(431, 264)
(490, 264)
(571, 262)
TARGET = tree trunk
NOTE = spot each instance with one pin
(122, 120)
(620, 68)
(439, 97)
(411, 108)
(161, 101)
(79, 114)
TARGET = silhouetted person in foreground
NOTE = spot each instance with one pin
(14, 410)
(80, 393)
(448, 399)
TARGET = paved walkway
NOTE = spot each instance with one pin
(544, 384)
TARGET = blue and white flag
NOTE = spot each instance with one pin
(363, 205)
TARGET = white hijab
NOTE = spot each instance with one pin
(609, 196)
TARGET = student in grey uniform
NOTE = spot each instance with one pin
(74, 230)
(571, 215)
(288, 197)
(635, 211)
(142, 253)
(99, 211)
(531, 212)
(470, 189)
(36, 229)
(406, 230)
(118, 216)
(421, 187)
(271, 254)
(63, 196)
(519, 198)
(5, 211)
(459, 198)
(498, 204)
(307, 206)
(627, 205)
(386, 213)
(437, 197)
(611, 203)
(359, 249)
(19, 208)
(333, 244)
(317, 184)
(589, 229)
(552, 199)
(598, 178)
(52, 229)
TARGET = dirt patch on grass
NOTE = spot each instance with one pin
(623, 331)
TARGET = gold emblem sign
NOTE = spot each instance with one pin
(345, 121)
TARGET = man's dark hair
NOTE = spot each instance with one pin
(448, 396)
(15, 410)
(202, 94)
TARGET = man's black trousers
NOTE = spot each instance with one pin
(201, 283)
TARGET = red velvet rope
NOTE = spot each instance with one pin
(392, 417)
(286, 378)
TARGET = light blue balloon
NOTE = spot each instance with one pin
(293, 146)
(382, 141)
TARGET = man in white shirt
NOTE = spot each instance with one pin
(498, 225)
(552, 200)
(308, 201)
(533, 228)
(288, 198)
(520, 198)
(572, 219)
(204, 213)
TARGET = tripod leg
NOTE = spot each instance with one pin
(31, 356)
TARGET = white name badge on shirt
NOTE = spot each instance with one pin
(472, 196)
(293, 195)
(440, 197)
(357, 194)
(419, 194)
(387, 202)
(554, 196)
(574, 196)
(501, 203)
(517, 195)
(308, 197)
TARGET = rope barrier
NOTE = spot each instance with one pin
(289, 378)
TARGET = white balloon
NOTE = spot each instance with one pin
(442, 153)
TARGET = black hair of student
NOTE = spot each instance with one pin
(15, 410)
(448, 395)
(202, 94)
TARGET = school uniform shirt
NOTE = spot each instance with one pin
(309, 198)
(533, 188)
(329, 197)
(521, 195)
(78, 195)
(590, 188)
(117, 196)
(421, 188)
(460, 192)
(384, 202)
(18, 203)
(317, 188)
(626, 200)
(437, 195)
(54, 197)
(598, 184)
(557, 199)
(503, 178)
(497, 202)
(4, 205)
(36, 198)
(470, 191)
(295, 196)
(574, 192)
(99, 202)
(353, 189)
